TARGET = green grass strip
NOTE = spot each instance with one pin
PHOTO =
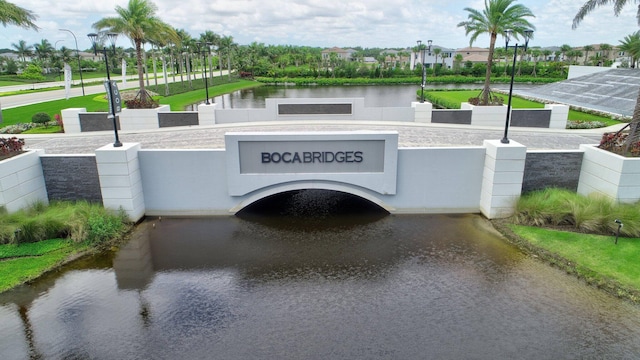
(33, 249)
(594, 253)
(179, 101)
(19, 270)
(451, 99)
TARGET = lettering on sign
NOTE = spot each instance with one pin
(333, 156)
(310, 157)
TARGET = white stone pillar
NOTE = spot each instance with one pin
(22, 181)
(71, 120)
(486, 115)
(422, 111)
(502, 178)
(120, 179)
(559, 116)
(207, 114)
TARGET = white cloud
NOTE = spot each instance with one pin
(326, 23)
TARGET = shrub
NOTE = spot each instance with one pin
(590, 214)
(10, 147)
(40, 118)
(79, 221)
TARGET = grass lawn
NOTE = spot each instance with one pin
(23, 114)
(21, 263)
(452, 99)
(10, 83)
(594, 255)
(179, 101)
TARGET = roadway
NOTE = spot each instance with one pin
(92, 86)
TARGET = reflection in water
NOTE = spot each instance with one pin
(374, 95)
(395, 287)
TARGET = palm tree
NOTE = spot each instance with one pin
(436, 52)
(227, 46)
(631, 45)
(43, 50)
(138, 22)
(11, 14)
(588, 7)
(605, 48)
(586, 49)
(23, 50)
(497, 17)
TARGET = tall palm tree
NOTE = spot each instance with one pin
(138, 22)
(11, 14)
(586, 49)
(631, 45)
(211, 38)
(23, 50)
(605, 48)
(588, 7)
(436, 52)
(497, 17)
(43, 50)
(227, 46)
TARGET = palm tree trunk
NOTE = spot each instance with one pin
(143, 92)
(634, 128)
(486, 90)
(229, 65)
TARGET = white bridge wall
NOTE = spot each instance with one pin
(194, 182)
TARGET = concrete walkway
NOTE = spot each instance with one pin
(410, 135)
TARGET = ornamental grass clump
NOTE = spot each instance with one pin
(594, 214)
(79, 221)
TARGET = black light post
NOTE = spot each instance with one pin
(112, 108)
(422, 49)
(78, 56)
(507, 35)
(204, 49)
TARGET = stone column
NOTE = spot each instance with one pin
(422, 111)
(120, 180)
(207, 114)
(502, 178)
(559, 116)
(71, 120)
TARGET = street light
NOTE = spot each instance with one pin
(507, 35)
(422, 49)
(78, 56)
(112, 108)
(204, 49)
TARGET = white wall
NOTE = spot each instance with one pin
(194, 182)
(22, 181)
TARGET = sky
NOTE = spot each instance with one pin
(326, 23)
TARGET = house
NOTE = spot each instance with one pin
(444, 57)
(343, 54)
(473, 54)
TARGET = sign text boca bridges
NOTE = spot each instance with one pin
(364, 159)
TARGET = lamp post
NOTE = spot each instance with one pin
(422, 49)
(112, 108)
(507, 35)
(55, 48)
(78, 56)
(203, 47)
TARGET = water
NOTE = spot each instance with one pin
(364, 286)
(374, 95)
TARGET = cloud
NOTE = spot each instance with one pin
(326, 23)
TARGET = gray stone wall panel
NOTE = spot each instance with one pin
(544, 169)
(71, 177)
